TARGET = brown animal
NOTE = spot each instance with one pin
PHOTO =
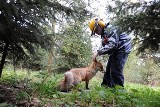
(76, 75)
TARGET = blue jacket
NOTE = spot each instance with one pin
(114, 41)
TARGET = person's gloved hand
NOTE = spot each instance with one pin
(94, 56)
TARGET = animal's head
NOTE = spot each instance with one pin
(97, 65)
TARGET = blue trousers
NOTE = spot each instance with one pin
(114, 70)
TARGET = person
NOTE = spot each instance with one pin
(117, 45)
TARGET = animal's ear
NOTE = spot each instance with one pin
(94, 59)
(100, 60)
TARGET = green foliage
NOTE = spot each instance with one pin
(150, 71)
(21, 30)
(75, 48)
(22, 96)
(45, 89)
(26, 25)
(37, 61)
(10, 77)
(141, 70)
(5, 105)
(146, 96)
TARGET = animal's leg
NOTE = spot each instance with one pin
(76, 82)
(87, 82)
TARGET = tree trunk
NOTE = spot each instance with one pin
(3, 57)
(50, 59)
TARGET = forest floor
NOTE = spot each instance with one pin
(32, 91)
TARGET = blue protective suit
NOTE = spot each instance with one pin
(118, 46)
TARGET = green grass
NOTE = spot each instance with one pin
(132, 95)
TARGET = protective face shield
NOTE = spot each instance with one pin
(94, 23)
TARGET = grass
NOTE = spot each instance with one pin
(132, 95)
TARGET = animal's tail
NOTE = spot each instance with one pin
(69, 80)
